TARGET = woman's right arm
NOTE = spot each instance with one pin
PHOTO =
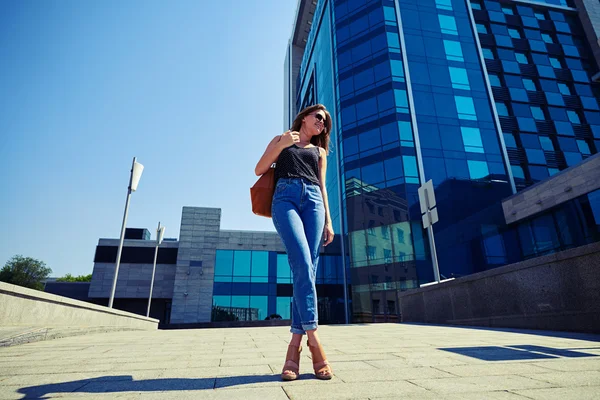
(273, 150)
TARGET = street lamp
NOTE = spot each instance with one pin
(160, 232)
(134, 179)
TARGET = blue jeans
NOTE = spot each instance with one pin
(299, 218)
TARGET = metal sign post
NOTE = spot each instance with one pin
(430, 216)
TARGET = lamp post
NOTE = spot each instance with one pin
(160, 232)
(134, 179)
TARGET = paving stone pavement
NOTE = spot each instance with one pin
(372, 361)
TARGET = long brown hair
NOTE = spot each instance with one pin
(321, 140)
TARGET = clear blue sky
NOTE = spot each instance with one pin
(192, 88)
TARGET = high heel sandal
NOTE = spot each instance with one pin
(292, 363)
(320, 363)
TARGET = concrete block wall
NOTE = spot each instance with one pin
(250, 240)
(194, 274)
(560, 188)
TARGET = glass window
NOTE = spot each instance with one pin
(351, 145)
(224, 263)
(584, 148)
(572, 158)
(508, 11)
(372, 174)
(573, 117)
(472, 139)
(222, 301)
(547, 38)
(529, 85)
(393, 40)
(410, 169)
(448, 24)
(501, 109)
(478, 169)
(537, 113)
(393, 168)
(546, 143)
(488, 54)
(371, 252)
(513, 33)
(284, 307)
(397, 69)
(564, 89)
(475, 5)
(544, 232)
(443, 4)
(459, 78)
(389, 14)
(555, 62)
(258, 307)
(389, 133)
(517, 171)
(481, 28)
(530, 141)
(509, 140)
(535, 156)
(465, 108)
(453, 50)
(539, 16)
(564, 128)
(495, 81)
(241, 266)
(369, 139)
(284, 272)
(521, 58)
(240, 302)
(260, 266)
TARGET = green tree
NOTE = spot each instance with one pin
(71, 278)
(25, 271)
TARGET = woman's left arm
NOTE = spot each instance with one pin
(328, 231)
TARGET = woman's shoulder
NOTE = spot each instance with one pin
(322, 151)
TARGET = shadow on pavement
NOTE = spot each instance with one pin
(125, 383)
(517, 352)
(591, 337)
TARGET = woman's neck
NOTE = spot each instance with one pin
(304, 137)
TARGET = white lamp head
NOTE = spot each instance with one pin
(160, 234)
(136, 175)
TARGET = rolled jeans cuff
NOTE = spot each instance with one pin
(310, 326)
(297, 331)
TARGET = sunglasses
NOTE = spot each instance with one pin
(319, 117)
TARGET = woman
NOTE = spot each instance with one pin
(301, 216)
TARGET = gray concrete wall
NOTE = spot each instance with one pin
(134, 279)
(569, 184)
(559, 291)
(21, 306)
(250, 240)
(193, 289)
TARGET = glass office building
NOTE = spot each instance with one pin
(252, 285)
(485, 98)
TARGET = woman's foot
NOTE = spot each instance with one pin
(291, 368)
(319, 360)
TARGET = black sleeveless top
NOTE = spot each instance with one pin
(298, 162)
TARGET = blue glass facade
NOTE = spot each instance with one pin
(252, 285)
(477, 96)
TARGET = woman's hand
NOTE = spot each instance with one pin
(289, 138)
(328, 234)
